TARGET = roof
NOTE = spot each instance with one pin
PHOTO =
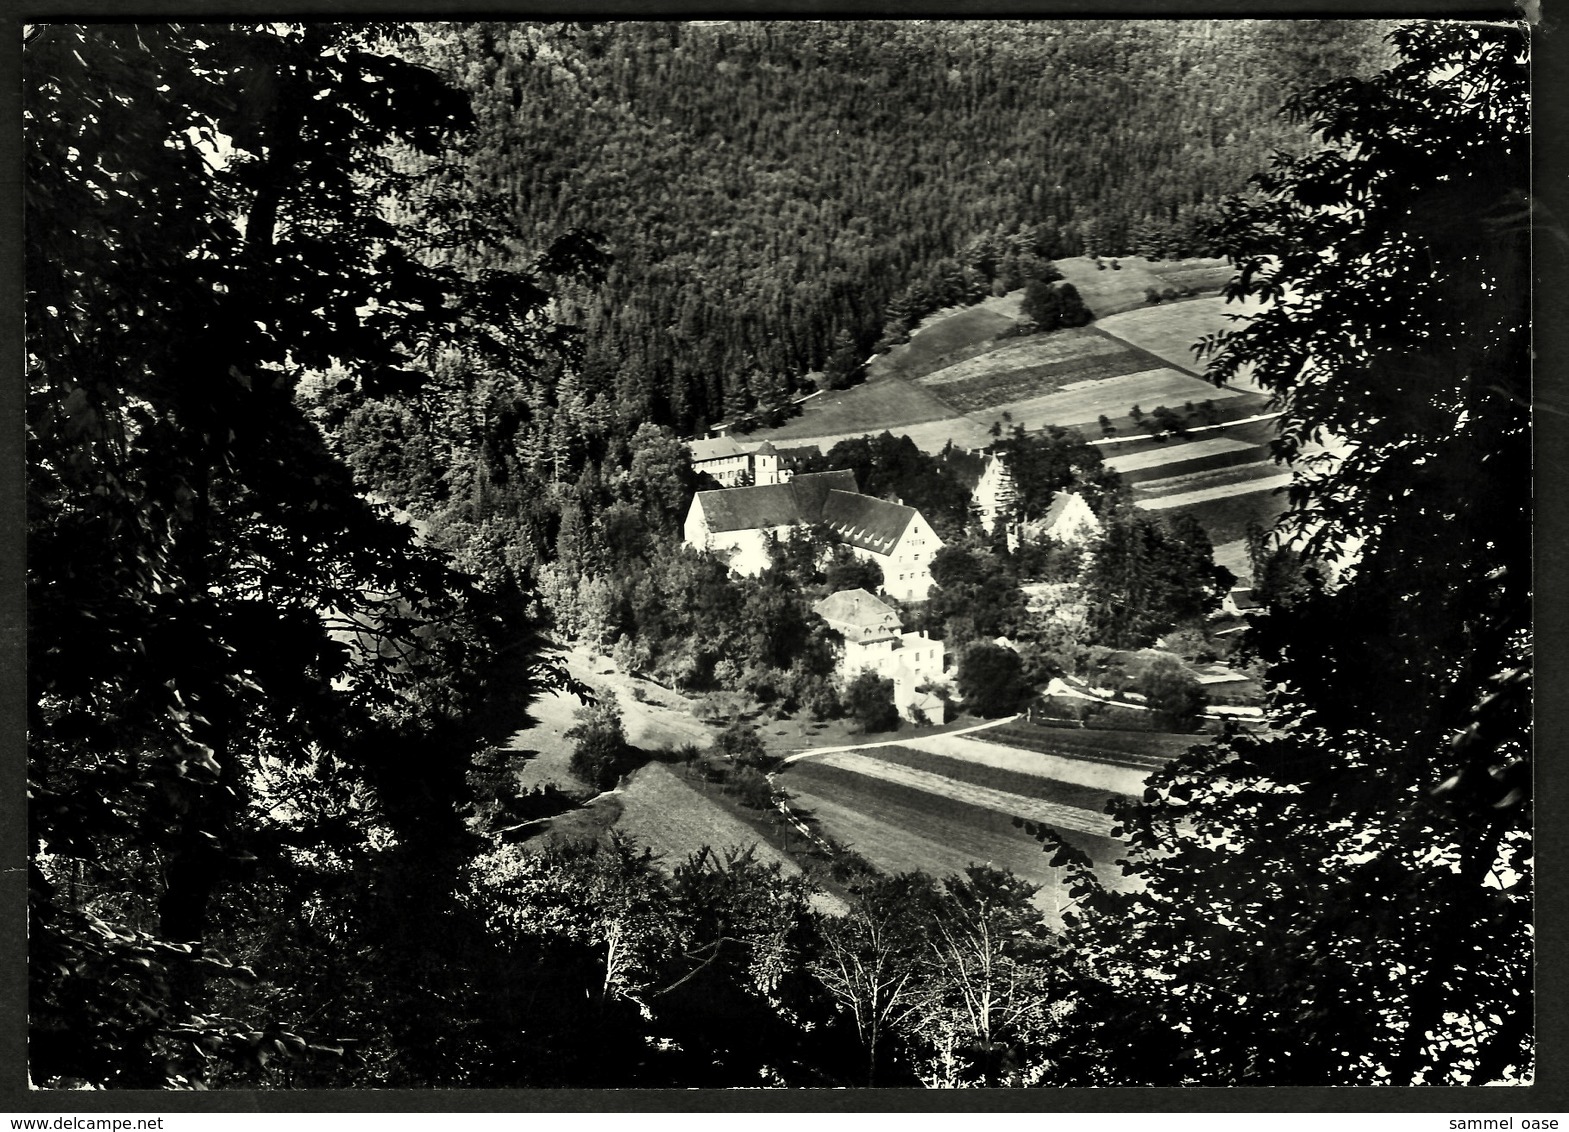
(715, 448)
(796, 455)
(766, 449)
(856, 607)
(774, 504)
(865, 522)
(1242, 597)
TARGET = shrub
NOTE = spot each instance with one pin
(869, 701)
(1174, 696)
(752, 788)
(991, 679)
(601, 755)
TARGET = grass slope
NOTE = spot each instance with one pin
(1031, 807)
(1033, 783)
(1108, 290)
(675, 820)
(1170, 330)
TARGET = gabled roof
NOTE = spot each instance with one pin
(716, 448)
(796, 455)
(864, 522)
(857, 608)
(1062, 504)
(774, 504)
(1242, 597)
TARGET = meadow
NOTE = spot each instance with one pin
(1109, 290)
(1169, 330)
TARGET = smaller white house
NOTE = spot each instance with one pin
(1069, 520)
(722, 458)
(874, 638)
(735, 464)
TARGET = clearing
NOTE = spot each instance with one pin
(881, 405)
(1109, 290)
(1111, 397)
(1034, 366)
(1170, 330)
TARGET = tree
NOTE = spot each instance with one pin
(868, 699)
(1383, 823)
(660, 476)
(1172, 694)
(993, 980)
(1147, 576)
(234, 655)
(873, 962)
(991, 680)
(600, 755)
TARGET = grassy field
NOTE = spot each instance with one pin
(946, 337)
(1196, 457)
(1147, 749)
(1169, 330)
(1113, 397)
(675, 819)
(1031, 806)
(1226, 519)
(899, 829)
(1206, 487)
(997, 777)
(1108, 291)
(1034, 366)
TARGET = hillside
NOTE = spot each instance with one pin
(772, 191)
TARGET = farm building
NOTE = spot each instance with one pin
(734, 464)
(735, 524)
(1068, 519)
(874, 638)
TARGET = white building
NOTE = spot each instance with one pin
(874, 638)
(734, 464)
(1069, 520)
(735, 523)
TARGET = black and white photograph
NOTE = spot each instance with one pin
(778, 554)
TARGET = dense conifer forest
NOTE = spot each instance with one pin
(774, 193)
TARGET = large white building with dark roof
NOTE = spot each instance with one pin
(734, 524)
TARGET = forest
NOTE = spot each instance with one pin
(358, 362)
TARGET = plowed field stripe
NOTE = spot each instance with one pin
(1034, 809)
(1225, 491)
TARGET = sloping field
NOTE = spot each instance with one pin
(943, 338)
(1108, 290)
(1206, 486)
(872, 407)
(931, 437)
(675, 820)
(1034, 366)
(899, 829)
(1180, 459)
(900, 840)
(1175, 453)
(1028, 784)
(1111, 397)
(1138, 750)
(984, 797)
(1078, 757)
(1225, 518)
(1169, 330)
